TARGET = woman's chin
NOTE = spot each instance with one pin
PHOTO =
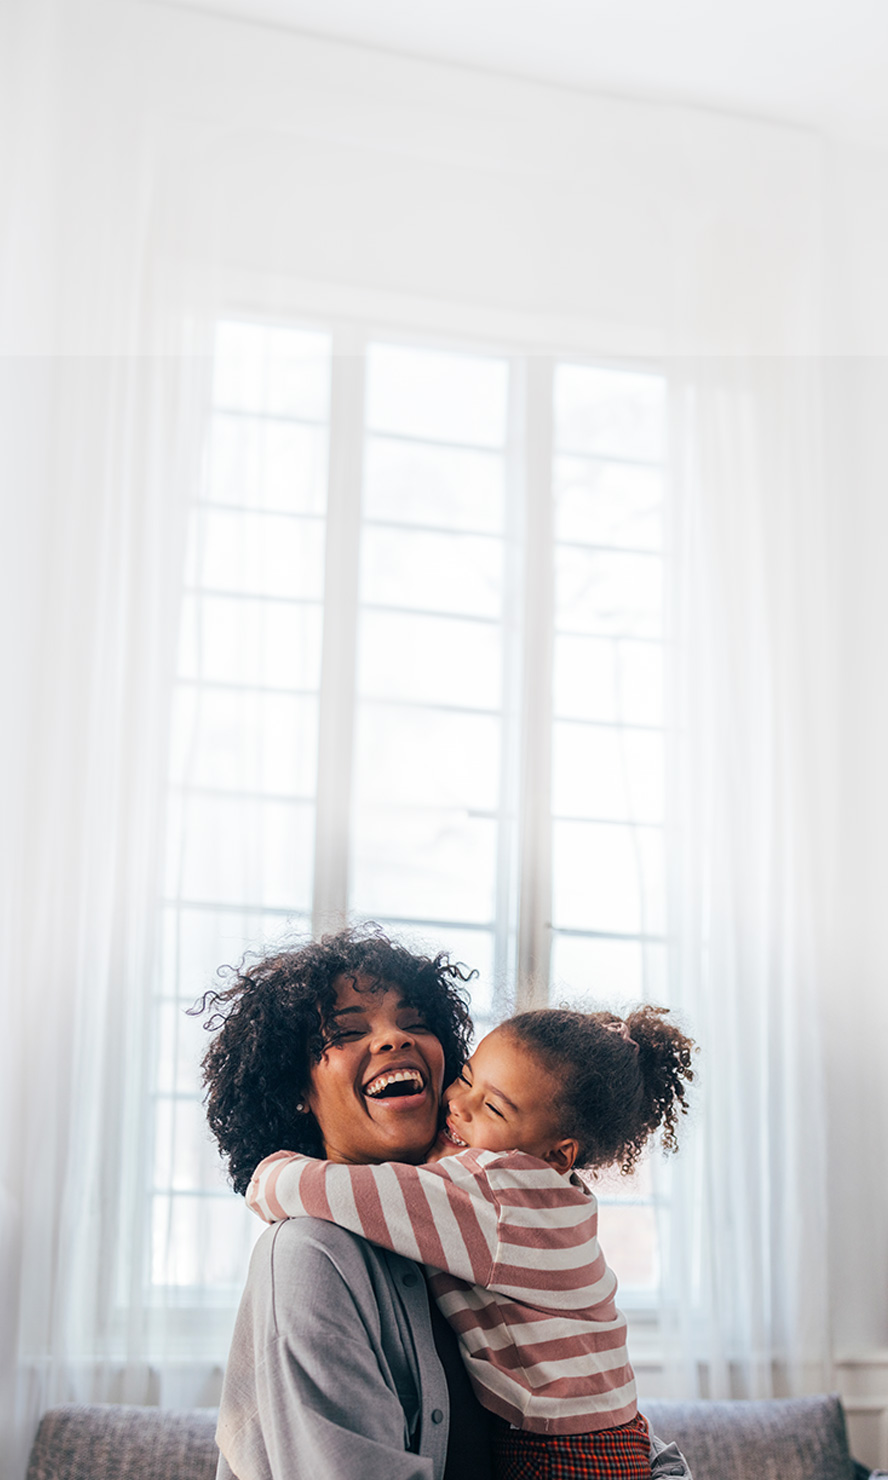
(408, 1123)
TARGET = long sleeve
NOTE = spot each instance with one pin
(444, 1215)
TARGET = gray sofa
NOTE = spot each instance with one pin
(791, 1439)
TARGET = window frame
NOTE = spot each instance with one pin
(523, 922)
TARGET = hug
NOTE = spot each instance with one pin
(431, 1300)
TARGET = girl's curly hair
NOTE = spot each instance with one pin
(268, 1027)
(621, 1082)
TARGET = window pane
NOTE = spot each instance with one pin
(271, 369)
(262, 554)
(609, 973)
(608, 679)
(432, 572)
(607, 877)
(612, 413)
(233, 851)
(436, 395)
(264, 742)
(182, 1042)
(607, 773)
(608, 593)
(262, 464)
(427, 757)
(608, 504)
(185, 1155)
(230, 640)
(202, 1241)
(629, 1234)
(427, 865)
(196, 942)
(443, 486)
(439, 659)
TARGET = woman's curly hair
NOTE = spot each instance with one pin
(622, 1082)
(268, 1027)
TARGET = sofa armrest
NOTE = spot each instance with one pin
(111, 1441)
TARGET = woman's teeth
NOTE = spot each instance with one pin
(382, 1082)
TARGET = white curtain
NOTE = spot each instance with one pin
(96, 462)
(746, 1298)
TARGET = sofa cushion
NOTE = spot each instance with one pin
(776, 1439)
(117, 1442)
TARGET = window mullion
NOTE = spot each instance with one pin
(339, 655)
(535, 781)
(507, 870)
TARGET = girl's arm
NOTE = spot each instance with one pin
(443, 1215)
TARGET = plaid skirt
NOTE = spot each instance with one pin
(606, 1454)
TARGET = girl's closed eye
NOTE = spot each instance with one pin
(494, 1109)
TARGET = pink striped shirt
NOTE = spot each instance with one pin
(515, 1266)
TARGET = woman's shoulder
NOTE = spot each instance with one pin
(299, 1246)
(308, 1264)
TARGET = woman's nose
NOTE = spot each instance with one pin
(389, 1038)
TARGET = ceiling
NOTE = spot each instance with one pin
(822, 64)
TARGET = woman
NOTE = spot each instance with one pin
(339, 1368)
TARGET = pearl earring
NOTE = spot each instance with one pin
(301, 1108)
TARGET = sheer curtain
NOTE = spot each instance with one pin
(96, 459)
(745, 1278)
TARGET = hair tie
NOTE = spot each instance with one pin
(623, 1031)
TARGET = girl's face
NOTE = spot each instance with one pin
(502, 1101)
(376, 1092)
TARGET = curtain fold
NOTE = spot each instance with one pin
(98, 457)
(101, 561)
(753, 683)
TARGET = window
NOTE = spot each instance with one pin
(420, 682)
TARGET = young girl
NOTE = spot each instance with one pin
(509, 1233)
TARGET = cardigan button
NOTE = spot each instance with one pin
(437, 1415)
(411, 1277)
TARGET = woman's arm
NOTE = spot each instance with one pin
(444, 1215)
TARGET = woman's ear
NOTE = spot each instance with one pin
(562, 1155)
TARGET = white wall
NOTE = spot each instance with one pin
(586, 220)
(856, 979)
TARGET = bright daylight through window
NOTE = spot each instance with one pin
(420, 681)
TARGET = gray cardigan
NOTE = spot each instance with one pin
(333, 1371)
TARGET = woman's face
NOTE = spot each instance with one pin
(376, 1092)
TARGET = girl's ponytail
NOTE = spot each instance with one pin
(664, 1061)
